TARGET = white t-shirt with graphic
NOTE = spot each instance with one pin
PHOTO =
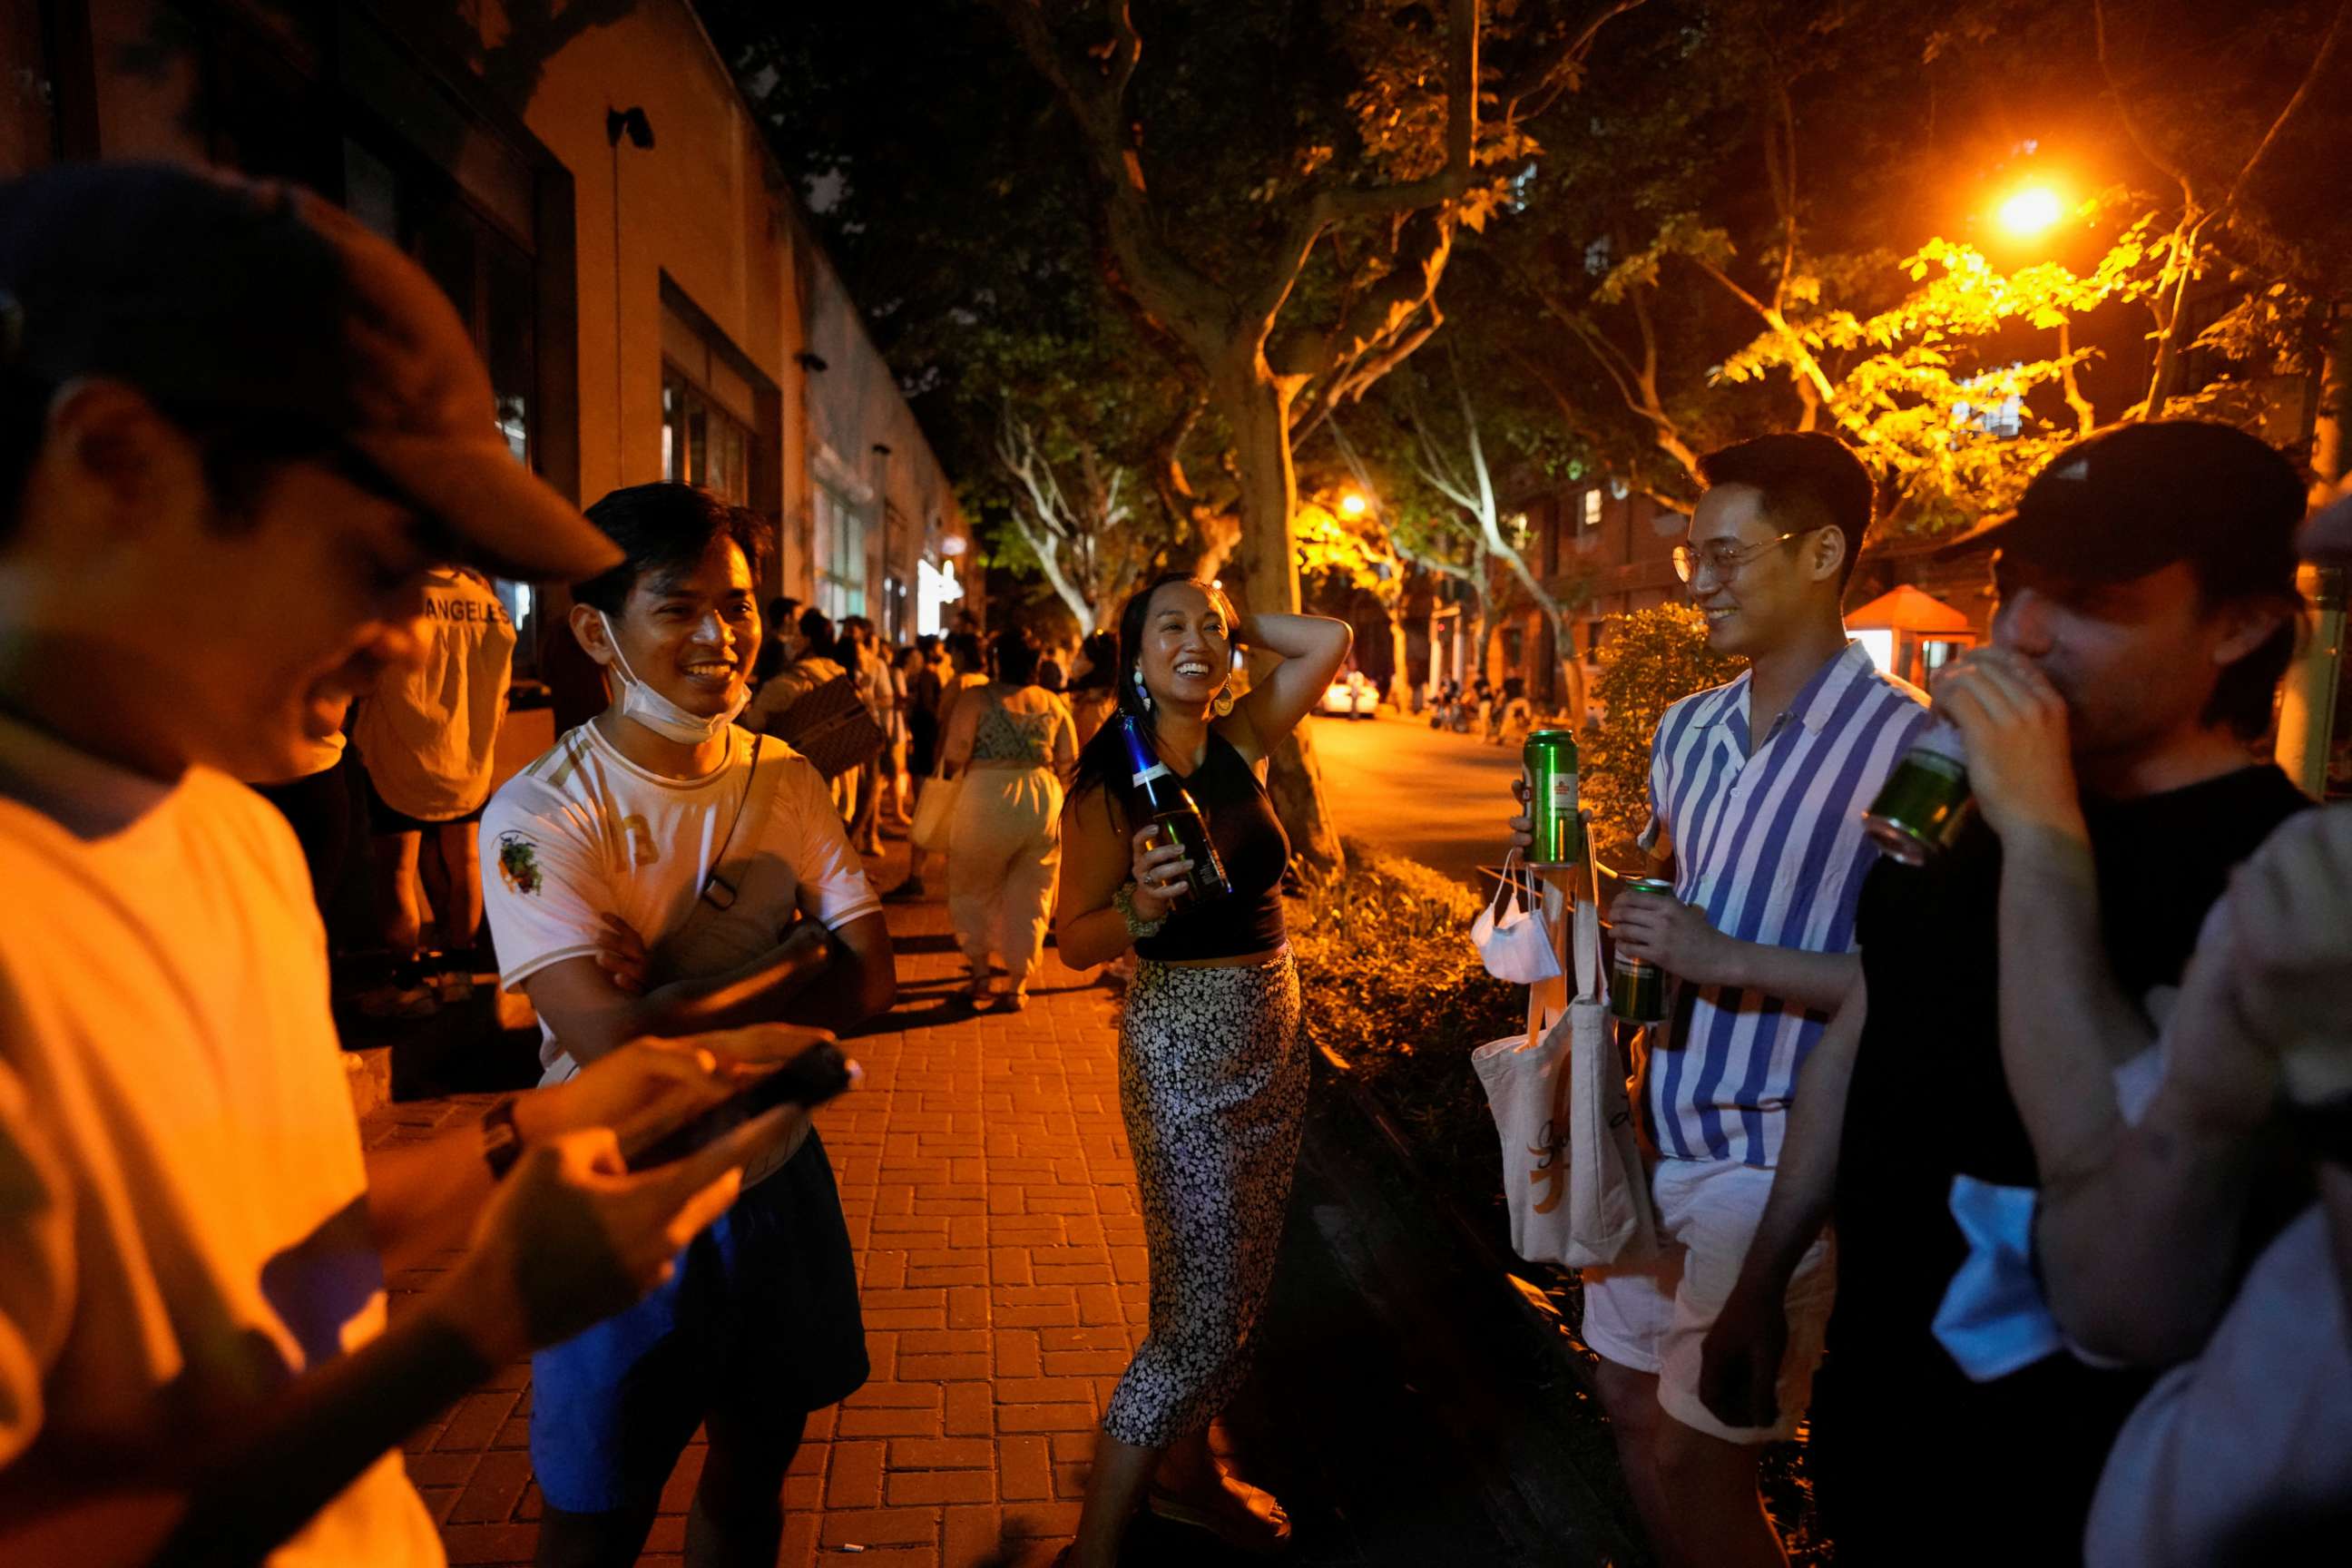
(429, 735)
(583, 832)
(183, 1205)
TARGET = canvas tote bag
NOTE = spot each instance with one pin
(1571, 1162)
(935, 812)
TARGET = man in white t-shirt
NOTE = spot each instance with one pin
(428, 736)
(204, 382)
(661, 869)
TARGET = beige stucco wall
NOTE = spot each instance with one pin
(704, 207)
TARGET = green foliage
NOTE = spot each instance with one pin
(1384, 952)
(1357, 554)
(1651, 660)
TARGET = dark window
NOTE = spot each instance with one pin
(491, 280)
(703, 444)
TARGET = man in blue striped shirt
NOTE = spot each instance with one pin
(1757, 787)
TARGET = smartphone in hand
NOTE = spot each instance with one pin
(808, 1080)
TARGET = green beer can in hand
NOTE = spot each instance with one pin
(1637, 989)
(1926, 802)
(1550, 763)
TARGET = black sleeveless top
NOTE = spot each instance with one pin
(1256, 851)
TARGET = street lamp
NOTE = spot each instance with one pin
(2030, 211)
(1353, 505)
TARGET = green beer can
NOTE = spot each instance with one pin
(1550, 763)
(1924, 802)
(1637, 990)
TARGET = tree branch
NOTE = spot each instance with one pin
(1781, 167)
(1341, 389)
(2303, 91)
(1330, 205)
(1560, 60)
(2123, 112)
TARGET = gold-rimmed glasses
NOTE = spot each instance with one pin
(1725, 559)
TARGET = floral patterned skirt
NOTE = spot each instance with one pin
(1212, 1081)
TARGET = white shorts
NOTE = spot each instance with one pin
(1654, 1316)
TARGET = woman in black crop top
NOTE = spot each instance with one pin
(1213, 1074)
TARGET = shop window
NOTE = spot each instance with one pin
(840, 554)
(702, 443)
(29, 122)
(710, 404)
(894, 609)
(490, 279)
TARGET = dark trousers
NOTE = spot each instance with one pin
(319, 808)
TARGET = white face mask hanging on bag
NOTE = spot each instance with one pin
(1510, 937)
(658, 713)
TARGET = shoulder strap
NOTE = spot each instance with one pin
(762, 778)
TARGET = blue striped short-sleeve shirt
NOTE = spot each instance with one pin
(1770, 846)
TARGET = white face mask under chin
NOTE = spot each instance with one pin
(1512, 940)
(658, 713)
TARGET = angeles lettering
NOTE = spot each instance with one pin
(466, 611)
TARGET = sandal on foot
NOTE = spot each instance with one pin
(1266, 1532)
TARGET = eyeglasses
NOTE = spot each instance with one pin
(1725, 559)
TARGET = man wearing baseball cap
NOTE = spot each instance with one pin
(2148, 610)
(236, 430)
(2195, 1215)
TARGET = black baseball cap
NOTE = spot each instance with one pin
(2134, 498)
(266, 303)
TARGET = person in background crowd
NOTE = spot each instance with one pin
(782, 639)
(1757, 791)
(1515, 716)
(966, 667)
(1094, 684)
(1212, 1074)
(205, 382)
(427, 737)
(818, 658)
(2196, 1203)
(319, 803)
(759, 1325)
(2148, 577)
(1051, 676)
(923, 690)
(905, 664)
(1013, 744)
(864, 659)
(926, 697)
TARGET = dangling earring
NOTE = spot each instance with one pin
(1223, 703)
(1143, 692)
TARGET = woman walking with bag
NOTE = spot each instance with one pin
(1213, 1074)
(1010, 743)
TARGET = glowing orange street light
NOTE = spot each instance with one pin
(2030, 211)
(1353, 505)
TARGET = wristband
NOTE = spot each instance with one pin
(502, 1141)
(1137, 926)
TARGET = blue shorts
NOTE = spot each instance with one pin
(758, 1326)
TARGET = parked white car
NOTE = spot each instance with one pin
(1351, 693)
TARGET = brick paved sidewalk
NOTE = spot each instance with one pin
(992, 1204)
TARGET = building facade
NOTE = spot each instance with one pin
(592, 190)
